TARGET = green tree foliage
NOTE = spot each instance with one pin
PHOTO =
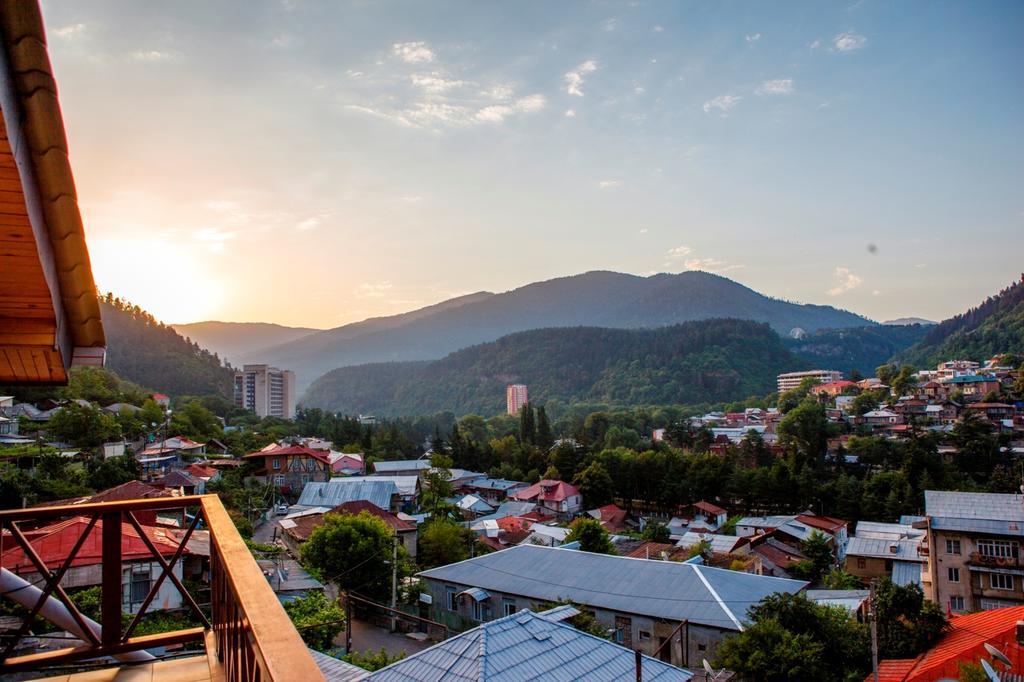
(794, 397)
(192, 420)
(711, 360)
(591, 536)
(565, 458)
(820, 558)
(527, 425)
(317, 619)
(372, 660)
(595, 484)
(84, 426)
(904, 380)
(908, 624)
(437, 487)
(443, 542)
(792, 638)
(838, 579)
(856, 350)
(656, 532)
(544, 437)
(152, 354)
(108, 472)
(354, 552)
(806, 429)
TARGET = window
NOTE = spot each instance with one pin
(453, 600)
(998, 581)
(508, 607)
(952, 546)
(279, 479)
(643, 635)
(138, 581)
(862, 562)
(276, 463)
(481, 611)
(953, 574)
(990, 604)
(956, 603)
(1000, 549)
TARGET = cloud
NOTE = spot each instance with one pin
(779, 86)
(815, 44)
(753, 37)
(574, 79)
(678, 253)
(723, 103)
(608, 184)
(413, 53)
(151, 56)
(849, 41)
(658, 28)
(312, 222)
(374, 289)
(643, 230)
(435, 82)
(570, 113)
(500, 92)
(845, 281)
(497, 113)
(69, 32)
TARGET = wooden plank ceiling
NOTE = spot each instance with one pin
(28, 323)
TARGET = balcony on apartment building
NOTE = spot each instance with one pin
(244, 632)
(988, 561)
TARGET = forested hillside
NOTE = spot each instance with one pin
(708, 361)
(858, 348)
(151, 354)
(234, 341)
(995, 326)
(594, 299)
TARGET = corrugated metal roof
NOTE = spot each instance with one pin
(407, 486)
(337, 671)
(720, 544)
(979, 512)
(887, 531)
(906, 573)
(340, 490)
(906, 550)
(663, 589)
(523, 647)
(850, 600)
(402, 465)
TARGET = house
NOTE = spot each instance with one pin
(347, 464)
(324, 496)
(203, 472)
(183, 481)
(854, 601)
(524, 645)
(894, 550)
(132, 490)
(493, 491)
(407, 467)
(994, 412)
(186, 447)
(288, 579)
(612, 518)
(879, 419)
(290, 468)
(837, 529)
(560, 497)
(472, 506)
(834, 388)
(543, 535)
(776, 558)
(54, 542)
(641, 601)
(974, 560)
(964, 642)
(718, 544)
(408, 488)
(295, 531)
(973, 386)
(162, 400)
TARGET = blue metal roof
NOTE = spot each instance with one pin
(662, 589)
(340, 490)
(1000, 513)
(906, 573)
(524, 647)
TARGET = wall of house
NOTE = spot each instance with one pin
(644, 632)
(873, 567)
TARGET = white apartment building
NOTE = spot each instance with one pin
(268, 391)
(791, 380)
(515, 398)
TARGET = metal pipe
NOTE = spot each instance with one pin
(53, 610)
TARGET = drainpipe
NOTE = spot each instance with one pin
(56, 612)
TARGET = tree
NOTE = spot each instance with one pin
(595, 484)
(656, 532)
(806, 429)
(818, 552)
(792, 638)
(443, 542)
(354, 552)
(908, 624)
(84, 426)
(838, 579)
(904, 379)
(108, 472)
(318, 619)
(886, 373)
(701, 549)
(865, 402)
(551, 473)
(437, 487)
(527, 429)
(591, 536)
(564, 458)
(544, 437)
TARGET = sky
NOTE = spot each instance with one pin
(317, 163)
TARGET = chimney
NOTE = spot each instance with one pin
(893, 548)
(1020, 632)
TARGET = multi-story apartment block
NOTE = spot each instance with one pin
(515, 398)
(268, 391)
(791, 380)
(974, 561)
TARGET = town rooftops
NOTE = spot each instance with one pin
(720, 544)
(132, 490)
(408, 486)
(904, 550)
(291, 451)
(970, 379)
(547, 491)
(709, 508)
(662, 589)
(1001, 513)
(359, 506)
(337, 491)
(390, 467)
(523, 647)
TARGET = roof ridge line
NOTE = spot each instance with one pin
(728, 611)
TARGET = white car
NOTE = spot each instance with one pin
(282, 509)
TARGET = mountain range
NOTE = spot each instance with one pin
(234, 341)
(599, 298)
(706, 361)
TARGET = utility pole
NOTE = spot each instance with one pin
(394, 581)
(348, 623)
(873, 618)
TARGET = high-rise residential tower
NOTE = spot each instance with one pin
(268, 391)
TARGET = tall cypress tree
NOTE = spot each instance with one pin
(544, 437)
(527, 429)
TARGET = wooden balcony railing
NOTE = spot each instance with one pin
(247, 635)
(995, 561)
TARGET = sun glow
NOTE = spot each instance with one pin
(161, 276)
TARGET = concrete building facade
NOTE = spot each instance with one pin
(267, 391)
(791, 380)
(515, 397)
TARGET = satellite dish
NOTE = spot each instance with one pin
(987, 667)
(707, 666)
(998, 655)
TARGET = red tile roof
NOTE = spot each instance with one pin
(132, 490)
(199, 471)
(778, 557)
(831, 524)
(357, 506)
(709, 508)
(547, 491)
(652, 550)
(292, 451)
(964, 642)
(612, 518)
(53, 543)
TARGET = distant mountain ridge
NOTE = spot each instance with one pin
(905, 321)
(862, 349)
(235, 341)
(599, 298)
(995, 326)
(699, 361)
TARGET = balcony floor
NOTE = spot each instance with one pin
(190, 669)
